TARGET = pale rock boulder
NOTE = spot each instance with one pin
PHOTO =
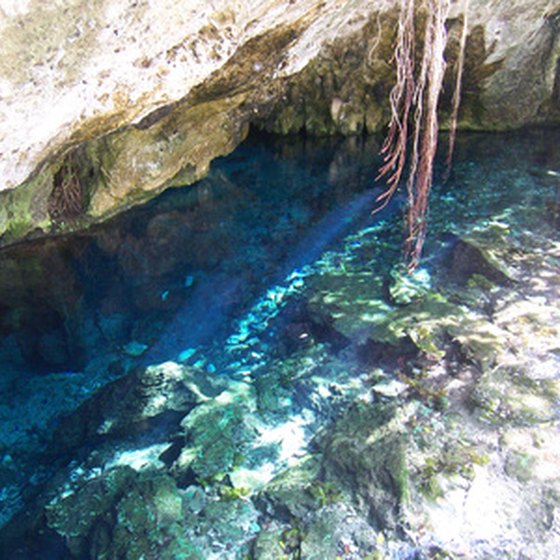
(81, 68)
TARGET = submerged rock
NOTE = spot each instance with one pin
(408, 287)
(467, 260)
(289, 495)
(75, 517)
(509, 396)
(224, 528)
(271, 544)
(338, 531)
(312, 324)
(216, 434)
(365, 454)
(134, 516)
(136, 403)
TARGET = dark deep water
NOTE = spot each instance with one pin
(211, 275)
(174, 274)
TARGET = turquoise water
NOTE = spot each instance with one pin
(148, 278)
(216, 275)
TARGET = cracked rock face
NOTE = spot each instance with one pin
(77, 70)
(104, 104)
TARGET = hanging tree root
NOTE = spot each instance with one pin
(66, 201)
(414, 102)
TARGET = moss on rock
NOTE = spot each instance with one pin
(123, 514)
(365, 455)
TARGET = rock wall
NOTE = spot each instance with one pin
(104, 104)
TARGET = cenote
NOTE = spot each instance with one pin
(241, 368)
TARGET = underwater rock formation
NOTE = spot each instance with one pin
(105, 104)
(417, 417)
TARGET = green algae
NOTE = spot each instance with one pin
(365, 455)
(216, 433)
(290, 490)
(124, 514)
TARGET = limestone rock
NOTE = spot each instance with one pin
(216, 433)
(408, 287)
(289, 494)
(105, 104)
(337, 530)
(123, 514)
(269, 544)
(508, 395)
(468, 259)
(225, 526)
(134, 403)
(68, 516)
(365, 455)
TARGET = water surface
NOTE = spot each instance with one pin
(215, 275)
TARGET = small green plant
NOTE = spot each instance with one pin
(435, 397)
(429, 485)
(291, 541)
(480, 281)
(457, 459)
(209, 481)
(230, 494)
(375, 555)
(325, 492)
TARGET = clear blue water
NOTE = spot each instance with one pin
(176, 274)
(209, 275)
